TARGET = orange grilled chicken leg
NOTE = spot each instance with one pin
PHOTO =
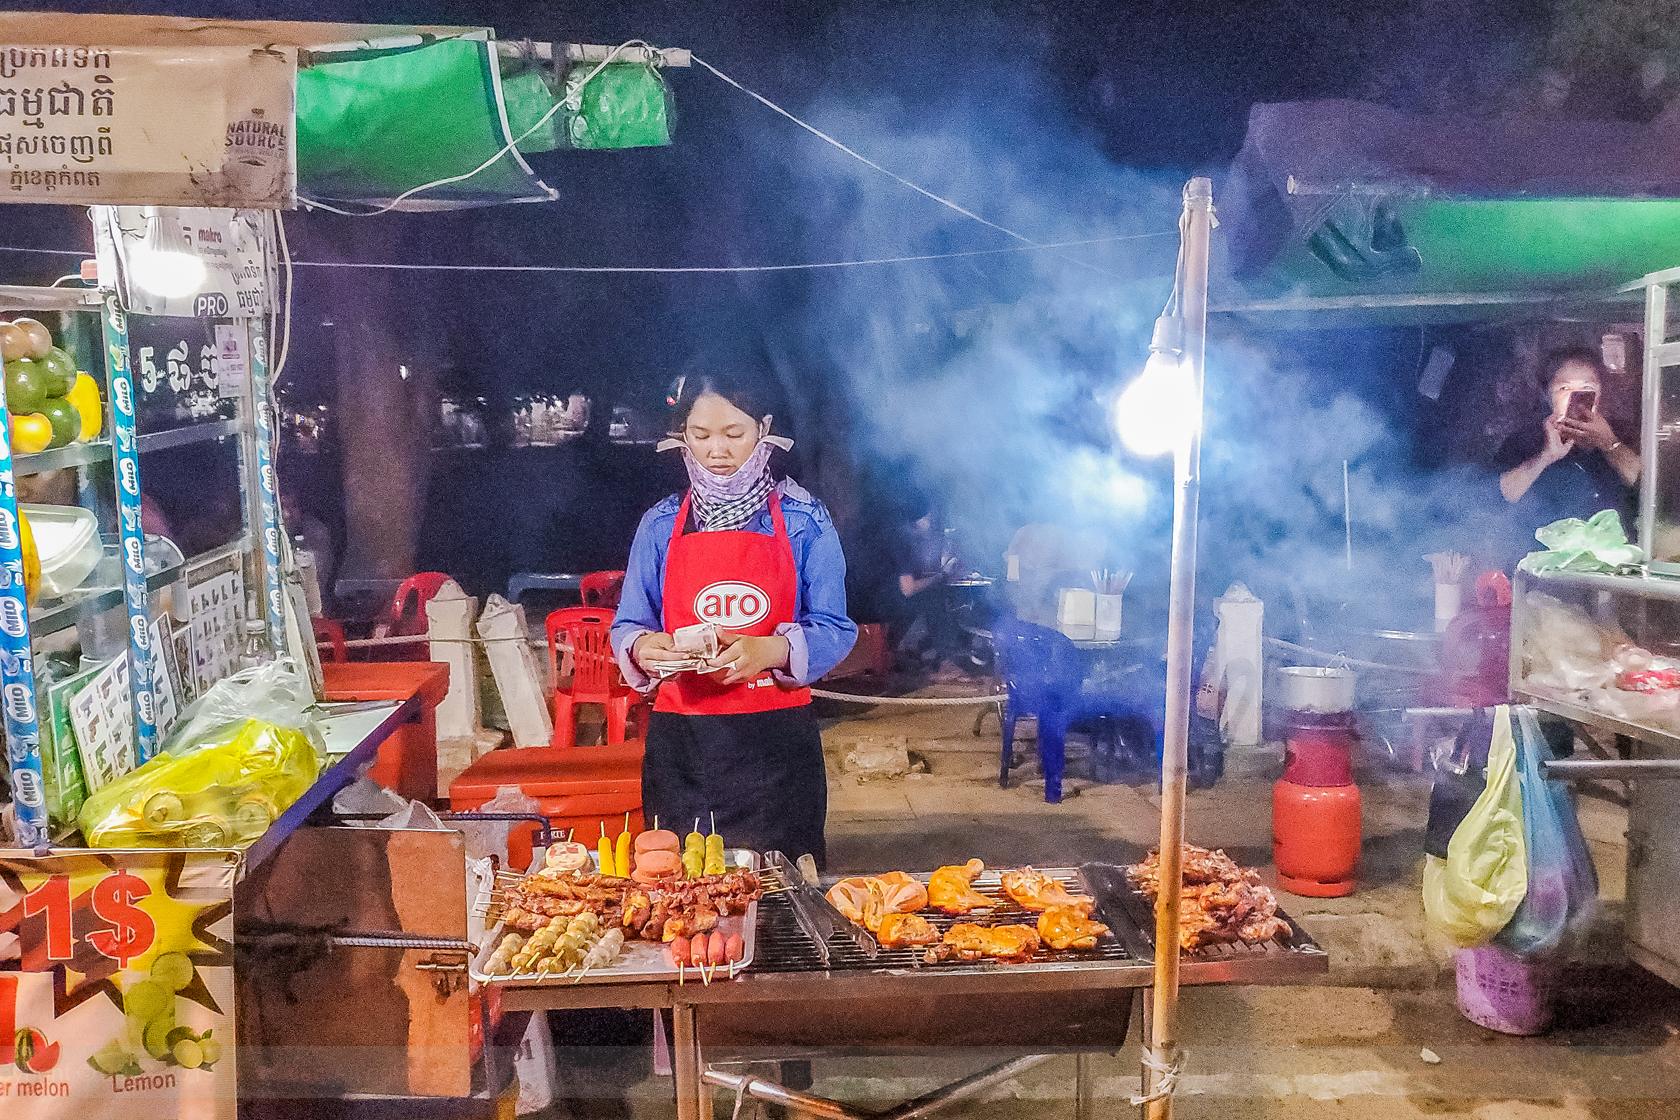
(1037, 891)
(949, 890)
(1065, 927)
(898, 930)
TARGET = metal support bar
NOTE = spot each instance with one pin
(1084, 1105)
(1623, 769)
(916, 1109)
(1656, 342)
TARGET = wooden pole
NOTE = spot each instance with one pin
(1195, 226)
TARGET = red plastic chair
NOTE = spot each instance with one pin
(330, 635)
(408, 616)
(602, 589)
(595, 675)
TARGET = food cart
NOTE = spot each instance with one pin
(118, 966)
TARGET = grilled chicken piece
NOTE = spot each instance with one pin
(949, 890)
(1006, 943)
(1068, 927)
(867, 899)
(899, 930)
(851, 898)
(1037, 891)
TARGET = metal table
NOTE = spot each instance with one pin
(790, 999)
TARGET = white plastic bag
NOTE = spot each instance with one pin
(490, 838)
(533, 1064)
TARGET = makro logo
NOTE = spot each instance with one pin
(731, 604)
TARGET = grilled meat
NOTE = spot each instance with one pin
(1221, 902)
(866, 900)
(949, 890)
(1006, 943)
(1037, 891)
(1068, 927)
(899, 930)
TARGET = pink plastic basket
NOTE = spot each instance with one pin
(1505, 991)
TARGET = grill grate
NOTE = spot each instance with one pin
(784, 947)
(1110, 884)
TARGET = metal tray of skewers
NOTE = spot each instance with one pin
(592, 944)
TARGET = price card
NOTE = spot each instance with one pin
(116, 985)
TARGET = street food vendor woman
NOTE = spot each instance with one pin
(760, 558)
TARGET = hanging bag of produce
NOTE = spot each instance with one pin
(1562, 885)
(1472, 893)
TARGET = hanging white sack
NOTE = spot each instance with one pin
(449, 617)
(518, 676)
(1233, 668)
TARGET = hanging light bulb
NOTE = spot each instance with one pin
(164, 263)
(1157, 413)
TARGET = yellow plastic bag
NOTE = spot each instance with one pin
(1470, 895)
(222, 792)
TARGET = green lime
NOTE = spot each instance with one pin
(148, 999)
(60, 368)
(157, 1034)
(111, 1059)
(65, 420)
(178, 1034)
(173, 970)
(188, 1054)
(26, 385)
(212, 1049)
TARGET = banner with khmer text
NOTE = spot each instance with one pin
(168, 126)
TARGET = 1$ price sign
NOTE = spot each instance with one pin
(111, 924)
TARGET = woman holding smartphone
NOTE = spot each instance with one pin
(1571, 463)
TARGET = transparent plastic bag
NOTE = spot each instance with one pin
(277, 692)
(1562, 884)
(1471, 895)
(220, 791)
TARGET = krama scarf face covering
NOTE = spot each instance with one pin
(726, 502)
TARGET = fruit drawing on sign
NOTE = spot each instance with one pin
(32, 1052)
(132, 930)
(731, 604)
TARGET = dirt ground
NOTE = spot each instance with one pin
(1355, 1043)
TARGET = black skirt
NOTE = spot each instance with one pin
(760, 772)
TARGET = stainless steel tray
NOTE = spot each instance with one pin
(641, 960)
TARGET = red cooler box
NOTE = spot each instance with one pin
(578, 788)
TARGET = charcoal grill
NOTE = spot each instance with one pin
(790, 1001)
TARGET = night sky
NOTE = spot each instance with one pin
(1060, 120)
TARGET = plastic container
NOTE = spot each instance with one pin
(1505, 991)
(577, 787)
(67, 538)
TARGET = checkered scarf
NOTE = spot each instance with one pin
(729, 502)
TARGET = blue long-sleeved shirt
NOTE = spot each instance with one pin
(821, 633)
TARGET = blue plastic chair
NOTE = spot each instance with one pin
(1045, 678)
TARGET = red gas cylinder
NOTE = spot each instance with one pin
(1315, 807)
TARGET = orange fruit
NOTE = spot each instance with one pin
(31, 432)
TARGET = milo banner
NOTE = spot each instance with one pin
(148, 125)
(116, 985)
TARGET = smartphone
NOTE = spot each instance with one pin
(1582, 404)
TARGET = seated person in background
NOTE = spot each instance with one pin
(1569, 462)
(925, 630)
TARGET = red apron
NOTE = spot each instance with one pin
(746, 583)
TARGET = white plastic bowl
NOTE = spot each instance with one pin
(67, 538)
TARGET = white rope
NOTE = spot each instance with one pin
(914, 701)
(415, 639)
(728, 268)
(1166, 1076)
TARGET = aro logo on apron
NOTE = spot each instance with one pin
(731, 604)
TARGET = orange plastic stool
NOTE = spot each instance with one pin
(408, 616)
(602, 589)
(330, 634)
(595, 675)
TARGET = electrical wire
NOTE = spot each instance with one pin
(726, 268)
(825, 137)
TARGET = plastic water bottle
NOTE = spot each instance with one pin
(255, 649)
